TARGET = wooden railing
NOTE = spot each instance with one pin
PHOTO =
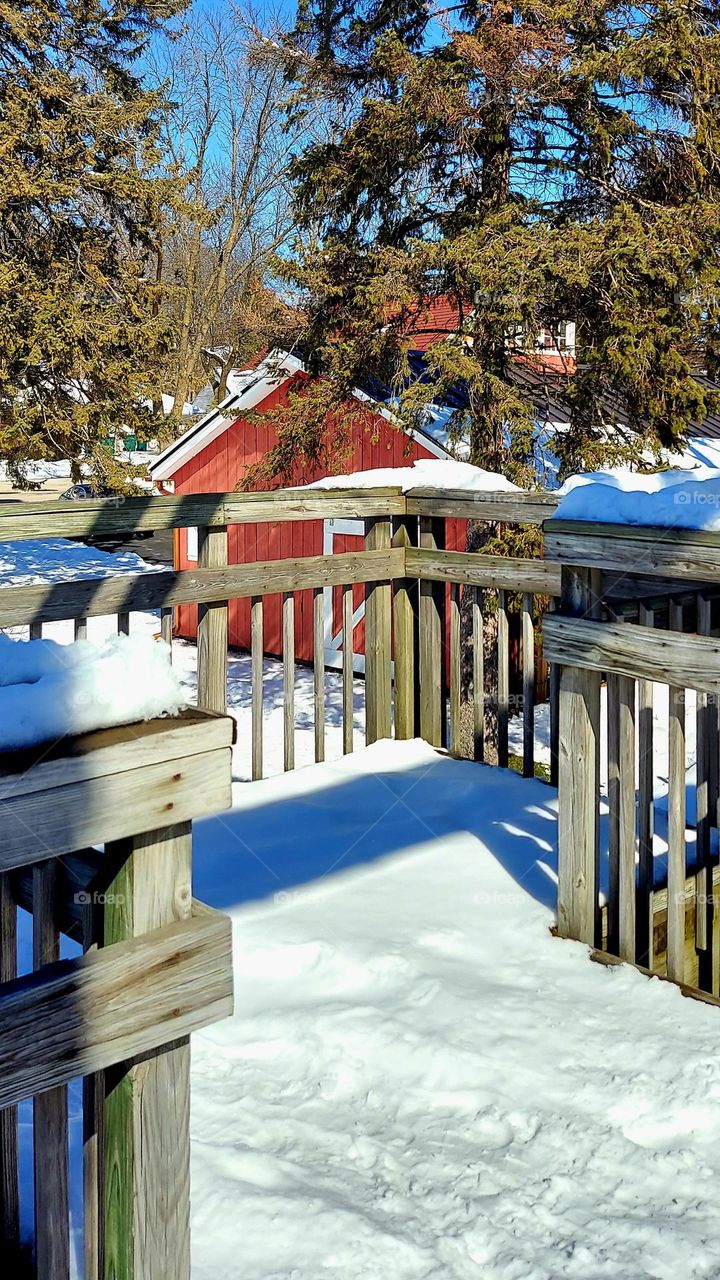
(156, 965)
(667, 922)
(414, 657)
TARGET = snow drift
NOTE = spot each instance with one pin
(666, 499)
(48, 690)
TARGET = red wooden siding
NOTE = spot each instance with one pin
(221, 466)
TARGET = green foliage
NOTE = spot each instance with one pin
(534, 163)
(81, 212)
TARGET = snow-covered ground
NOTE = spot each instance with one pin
(419, 1082)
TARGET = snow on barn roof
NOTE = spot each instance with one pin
(253, 386)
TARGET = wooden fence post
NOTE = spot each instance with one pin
(578, 914)
(146, 1135)
(378, 596)
(433, 713)
(9, 1184)
(405, 618)
(212, 633)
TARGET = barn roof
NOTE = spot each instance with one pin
(255, 385)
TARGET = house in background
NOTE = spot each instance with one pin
(214, 455)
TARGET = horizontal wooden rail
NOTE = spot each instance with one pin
(85, 597)
(96, 517)
(80, 1016)
(629, 650)
(503, 507)
(476, 570)
(674, 553)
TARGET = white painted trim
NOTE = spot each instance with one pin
(333, 639)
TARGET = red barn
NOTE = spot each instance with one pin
(214, 455)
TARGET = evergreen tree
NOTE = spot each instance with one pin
(81, 213)
(533, 162)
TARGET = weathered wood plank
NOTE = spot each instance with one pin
(50, 1110)
(167, 619)
(676, 820)
(256, 680)
(528, 678)
(503, 679)
(123, 624)
(146, 1143)
(404, 626)
(474, 569)
(83, 519)
(626, 819)
(288, 625)
(674, 553)
(212, 629)
(612, 703)
(455, 734)
(431, 644)
(319, 672)
(348, 676)
(86, 1013)
(632, 650)
(703, 883)
(36, 630)
(378, 639)
(478, 641)
(578, 776)
(81, 628)
(113, 751)
(41, 825)
(509, 508)
(646, 812)
(89, 597)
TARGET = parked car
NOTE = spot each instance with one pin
(88, 489)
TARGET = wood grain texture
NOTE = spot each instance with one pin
(36, 630)
(478, 642)
(44, 824)
(675, 553)
(626, 819)
(81, 628)
(646, 812)
(404, 606)
(288, 616)
(503, 678)
(83, 519)
(146, 1136)
(256, 651)
(455, 734)
(113, 751)
(319, 673)
(510, 508)
(50, 1110)
(378, 640)
(431, 644)
(167, 618)
(123, 624)
(90, 1012)
(475, 569)
(578, 773)
(632, 650)
(528, 679)
(348, 675)
(212, 630)
(143, 591)
(676, 816)
(704, 728)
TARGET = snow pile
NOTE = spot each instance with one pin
(666, 499)
(49, 690)
(39, 560)
(419, 1082)
(426, 473)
